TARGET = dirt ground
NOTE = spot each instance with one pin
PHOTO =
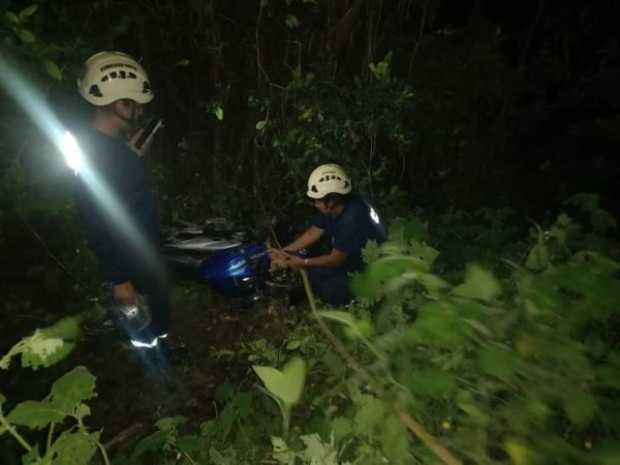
(131, 394)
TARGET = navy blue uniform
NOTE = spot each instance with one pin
(115, 181)
(358, 223)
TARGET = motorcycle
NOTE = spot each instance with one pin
(225, 258)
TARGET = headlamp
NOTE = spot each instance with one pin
(71, 152)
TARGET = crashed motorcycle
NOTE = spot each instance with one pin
(226, 258)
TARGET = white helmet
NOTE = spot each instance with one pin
(111, 76)
(328, 179)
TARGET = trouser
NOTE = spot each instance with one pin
(330, 284)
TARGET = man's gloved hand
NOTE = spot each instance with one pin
(280, 259)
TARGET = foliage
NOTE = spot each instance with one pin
(75, 445)
(514, 369)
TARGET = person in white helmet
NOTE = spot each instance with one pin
(347, 221)
(115, 199)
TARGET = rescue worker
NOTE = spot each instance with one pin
(347, 221)
(116, 203)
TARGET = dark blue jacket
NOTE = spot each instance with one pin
(358, 223)
(114, 181)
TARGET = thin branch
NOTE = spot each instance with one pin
(420, 34)
(14, 433)
(104, 454)
(124, 435)
(429, 441)
(258, 57)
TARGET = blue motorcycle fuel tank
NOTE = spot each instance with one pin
(235, 272)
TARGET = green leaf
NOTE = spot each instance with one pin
(292, 22)
(318, 452)
(219, 113)
(152, 443)
(354, 328)
(37, 350)
(72, 389)
(170, 424)
(53, 70)
(520, 453)
(26, 36)
(287, 384)
(373, 281)
(370, 414)
(28, 11)
(578, 404)
(293, 345)
(33, 458)
(341, 427)
(36, 360)
(11, 17)
(74, 448)
(432, 383)
(438, 324)
(538, 258)
(479, 284)
(261, 125)
(35, 414)
(395, 441)
(342, 317)
(499, 362)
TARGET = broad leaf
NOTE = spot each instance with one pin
(28, 11)
(318, 452)
(35, 414)
(432, 383)
(578, 404)
(53, 70)
(76, 386)
(26, 36)
(371, 412)
(520, 453)
(287, 384)
(499, 362)
(75, 448)
(479, 284)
